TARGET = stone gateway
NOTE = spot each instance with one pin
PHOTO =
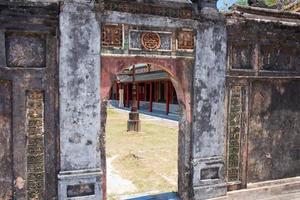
(236, 77)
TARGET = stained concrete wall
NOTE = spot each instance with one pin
(79, 75)
(28, 139)
(208, 111)
(274, 139)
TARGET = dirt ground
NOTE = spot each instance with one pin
(140, 162)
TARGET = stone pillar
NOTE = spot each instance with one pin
(79, 87)
(208, 134)
(121, 98)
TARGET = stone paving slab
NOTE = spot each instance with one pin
(283, 189)
(162, 196)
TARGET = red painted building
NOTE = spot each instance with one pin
(155, 91)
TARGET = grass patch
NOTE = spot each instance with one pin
(149, 158)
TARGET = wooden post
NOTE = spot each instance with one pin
(151, 99)
(117, 91)
(157, 91)
(172, 92)
(111, 93)
(138, 95)
(133, 92)
(134, 123)
(168, 98)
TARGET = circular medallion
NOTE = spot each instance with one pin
(150, 40)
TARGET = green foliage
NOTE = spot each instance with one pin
(242, 2)
(270, 2)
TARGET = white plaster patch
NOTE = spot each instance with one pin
(204, 94)
(19, 183)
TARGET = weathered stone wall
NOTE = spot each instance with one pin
(6, 172)
(263, 67)
(208, 111)
(79, 72)
(28, 100)
(274, 139)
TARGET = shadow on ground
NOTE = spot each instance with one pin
(154, 113)
(162, 196)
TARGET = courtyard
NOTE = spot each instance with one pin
(144, 162)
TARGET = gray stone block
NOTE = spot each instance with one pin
(81, 184)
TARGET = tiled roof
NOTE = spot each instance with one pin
(295, 6)
(150, 76)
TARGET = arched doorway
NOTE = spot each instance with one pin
(111, 66)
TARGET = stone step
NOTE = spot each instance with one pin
(282, 189)
(273, 182)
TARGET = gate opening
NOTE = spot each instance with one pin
(146, 162)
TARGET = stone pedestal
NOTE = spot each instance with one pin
(79, 86)
(134, 123)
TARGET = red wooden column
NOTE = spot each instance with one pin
(168, 98)
(117, 92)
(156, 91)
(127, 95)
(151, 99)
(138, 95)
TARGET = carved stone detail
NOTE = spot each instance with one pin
(241, 55)
(112, 36)
(186, 40)
(25, 50)
(185, 13)
(35, 145)
(278, 58)
(163, 41)
(234, 134)
(150, 40)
